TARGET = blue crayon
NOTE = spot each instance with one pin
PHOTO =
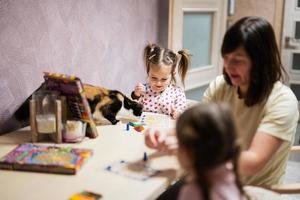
(127, 127)
(145, 158)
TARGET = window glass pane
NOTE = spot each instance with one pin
(297, 30)
(196, 94)
(197, 31)
(298, 3)
(296, 61)
(296, 89)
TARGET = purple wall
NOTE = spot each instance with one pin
(101, 41)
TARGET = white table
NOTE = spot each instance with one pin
(113, 144)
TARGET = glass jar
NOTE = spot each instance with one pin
(45, 111)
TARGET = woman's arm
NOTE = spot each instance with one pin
(276, 127)
(262, 148)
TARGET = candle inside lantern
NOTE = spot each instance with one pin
(46, 123)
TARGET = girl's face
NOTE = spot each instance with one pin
(237, 65)
(159, 77)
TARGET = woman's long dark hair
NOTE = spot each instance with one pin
(257, 37)
(207, 133)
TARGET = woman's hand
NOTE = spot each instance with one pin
(139, 90)
(164, 141)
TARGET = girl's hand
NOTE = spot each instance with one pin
(170, 144)
(162, 141)
(139, 90)
(154, 138)
(174, 113)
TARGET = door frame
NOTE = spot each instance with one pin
(290, 16)
(198, 77)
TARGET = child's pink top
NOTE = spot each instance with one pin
(161, 102)
(223, 186)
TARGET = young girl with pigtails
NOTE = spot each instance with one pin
(208, 150)
(161, 94)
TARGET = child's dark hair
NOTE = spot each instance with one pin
(157, 55)
(207, 134)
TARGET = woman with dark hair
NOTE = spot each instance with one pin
(265, 110)
(254, 39)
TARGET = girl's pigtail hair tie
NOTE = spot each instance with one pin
(150, 57)
(169, 59)
(152, 49)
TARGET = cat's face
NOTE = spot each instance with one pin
(137, 109)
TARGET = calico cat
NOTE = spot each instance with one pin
(103, 102)
(107, 103)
